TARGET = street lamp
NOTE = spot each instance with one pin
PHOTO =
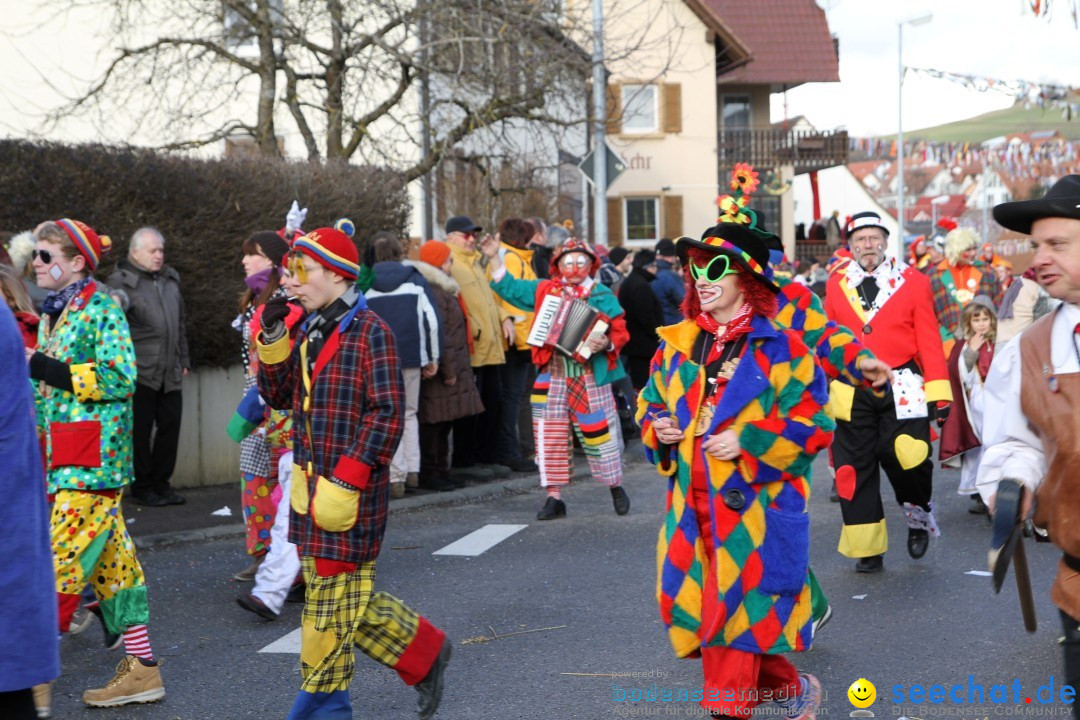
(898, 242)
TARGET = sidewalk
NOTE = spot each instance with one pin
(195, 520)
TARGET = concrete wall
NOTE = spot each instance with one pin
(207, 456)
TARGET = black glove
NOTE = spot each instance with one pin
(942, 413)
(54, 372)
(273, 315)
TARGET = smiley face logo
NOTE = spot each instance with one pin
(862, 693)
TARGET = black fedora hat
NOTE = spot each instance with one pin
(746, 247)
(1061, 200)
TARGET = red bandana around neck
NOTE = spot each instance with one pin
(738, 325)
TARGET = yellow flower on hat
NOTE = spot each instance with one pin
(744, 178)
(732, 209)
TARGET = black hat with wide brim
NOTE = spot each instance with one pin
(748, 249)
(1061, 200)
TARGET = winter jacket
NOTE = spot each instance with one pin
(88, 431)
(28, 325)
(403, 299)
(644, 315)
(356, 415)
(527, 294)
(485, 318)
(440, 402)
(541, 261)
(668, 286)
(155, 313)
(28, 610)
(775, 404)
(519, 264)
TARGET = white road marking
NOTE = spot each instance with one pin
(479, 541)
(288, 644)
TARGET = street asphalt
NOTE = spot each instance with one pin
(560, 618)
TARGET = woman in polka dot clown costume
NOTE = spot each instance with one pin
(83, 376)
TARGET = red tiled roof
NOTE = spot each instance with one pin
(788, 40)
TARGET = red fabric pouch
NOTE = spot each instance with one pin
(76, 443)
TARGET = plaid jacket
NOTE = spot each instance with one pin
(356, 417)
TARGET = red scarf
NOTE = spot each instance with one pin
(737, 326)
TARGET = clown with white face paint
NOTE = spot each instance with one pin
(570, 393)
(888, 307)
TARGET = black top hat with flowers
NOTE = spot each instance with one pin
(736, 233)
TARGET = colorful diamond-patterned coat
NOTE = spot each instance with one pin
(775, 403)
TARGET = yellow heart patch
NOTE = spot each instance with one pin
(910, 452)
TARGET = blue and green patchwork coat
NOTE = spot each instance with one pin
(775, 403)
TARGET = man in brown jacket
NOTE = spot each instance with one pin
(488, 326)
(1031, 430)
(149, 292)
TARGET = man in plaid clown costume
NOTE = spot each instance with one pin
(569, 392)
(342, 381)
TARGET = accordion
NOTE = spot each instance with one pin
(566, 324)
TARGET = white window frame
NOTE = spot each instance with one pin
(626, 218)
(234, 26)
(631, 92)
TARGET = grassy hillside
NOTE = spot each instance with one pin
(999, 122)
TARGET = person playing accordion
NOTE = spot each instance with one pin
(577, 333)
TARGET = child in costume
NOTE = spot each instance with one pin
(84, 378)
(569, 392)
(969, 365)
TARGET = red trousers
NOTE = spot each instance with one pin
(736, 681)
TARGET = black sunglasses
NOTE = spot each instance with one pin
(45, 255)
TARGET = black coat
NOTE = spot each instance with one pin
(644, 313)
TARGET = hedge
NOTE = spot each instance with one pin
(204, 208)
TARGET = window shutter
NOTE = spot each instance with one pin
(614, 109)
(615, 236)
(672, 220)
(672, 107)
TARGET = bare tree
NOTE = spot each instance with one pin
(342, 75)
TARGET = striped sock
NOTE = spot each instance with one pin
(137, 643)
(554, 491)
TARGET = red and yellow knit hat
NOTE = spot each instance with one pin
(332, 249)
(89, 244)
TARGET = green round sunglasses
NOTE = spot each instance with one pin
(715, 271)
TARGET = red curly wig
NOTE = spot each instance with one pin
(761, 298)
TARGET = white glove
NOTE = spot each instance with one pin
(295, 219)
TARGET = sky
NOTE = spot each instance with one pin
(993, 38)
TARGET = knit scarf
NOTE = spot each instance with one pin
(738, 325)
(56, 301)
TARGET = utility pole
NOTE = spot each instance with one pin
(600, 184)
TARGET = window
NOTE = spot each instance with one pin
(240, 36)
(642, 219)
(735, 112)
(640, 113)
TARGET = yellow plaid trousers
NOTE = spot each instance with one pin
(342, 611)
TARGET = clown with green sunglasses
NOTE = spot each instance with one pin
(714, 271)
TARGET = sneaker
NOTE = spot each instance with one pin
(248, 573)
(249, 602)
(431, 687)
(522, 465)
(472, 472)
(871, 564)
(112, 640)
(820, 622)
(150, 499)
(804, 707)
(134, 682)
(438, 483)
(43, 700)
(80, 620)
(501, 472)
(397, 490)
(412, 481)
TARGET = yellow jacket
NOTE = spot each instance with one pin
(485, 318)
(519, 265)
